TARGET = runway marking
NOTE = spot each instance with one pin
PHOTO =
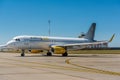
(53, 66)
(38, 66)
(93, 69)
(78, 68)
(43, 65)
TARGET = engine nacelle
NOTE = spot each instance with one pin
(35, 51)
(58, 50)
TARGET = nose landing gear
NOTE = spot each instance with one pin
(22, 53)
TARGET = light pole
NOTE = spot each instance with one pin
(49, 32)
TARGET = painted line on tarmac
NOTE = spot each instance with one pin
(89, 69)
(38, 66)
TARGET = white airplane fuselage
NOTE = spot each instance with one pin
(57, 45)
(42, 42)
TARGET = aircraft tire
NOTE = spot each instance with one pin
(22, 55)
(49, 54)
(65, 54)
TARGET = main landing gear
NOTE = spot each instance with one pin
(65, 54)
(49, 53)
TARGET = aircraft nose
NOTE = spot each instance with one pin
(2, 47)
(10, 44)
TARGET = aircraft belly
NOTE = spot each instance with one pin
(39, 45)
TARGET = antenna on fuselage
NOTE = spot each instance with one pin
(49, 31)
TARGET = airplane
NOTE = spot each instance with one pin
(56, 45)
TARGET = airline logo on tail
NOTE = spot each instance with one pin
(90, 34)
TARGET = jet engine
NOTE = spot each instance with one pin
(58, 50)
(35, 51)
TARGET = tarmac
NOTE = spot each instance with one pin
(56, 67)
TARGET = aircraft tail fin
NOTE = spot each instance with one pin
(91, 32)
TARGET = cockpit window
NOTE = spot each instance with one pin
(17, 39)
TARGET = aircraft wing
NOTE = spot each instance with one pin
(77, 46)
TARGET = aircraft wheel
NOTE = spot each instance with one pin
(65, 54)
(23, 53)
(49, 54)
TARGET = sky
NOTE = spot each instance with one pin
(69, 18)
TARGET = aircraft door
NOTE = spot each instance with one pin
(26, 44)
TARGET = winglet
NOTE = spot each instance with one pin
(111, 38)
